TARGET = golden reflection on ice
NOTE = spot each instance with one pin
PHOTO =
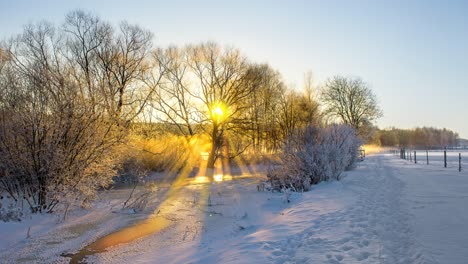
(222, 177)
(158, 222)
(201, 179)
(218, 177)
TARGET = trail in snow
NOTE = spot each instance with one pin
(373, 229)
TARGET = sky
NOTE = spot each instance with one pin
(413, 54)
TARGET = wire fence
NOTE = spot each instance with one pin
(445, 158)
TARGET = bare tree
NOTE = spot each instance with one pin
(309, 89)
(124, 62)
(174, 97)
(312, 115)
(264, 104)
(288, 112)
(64, 91)
(223, 76)
(114, 65)
(3, 59)
(297, 111)
(204, 88)
(350, 100)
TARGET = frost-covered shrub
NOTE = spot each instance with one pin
(312, 155)
(11, 214)
(9, 211)
(65, 106)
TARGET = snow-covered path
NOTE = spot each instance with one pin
(374, 228)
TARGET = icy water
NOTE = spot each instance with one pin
(128, 234)
(152, 225)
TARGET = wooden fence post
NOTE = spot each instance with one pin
(445, 158)
(459, 161)
(415, 161)
(427, 157)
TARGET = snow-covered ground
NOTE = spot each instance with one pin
(437, 199)
(387, 210)
(50, 236)
(436, 158)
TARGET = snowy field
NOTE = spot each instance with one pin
(387, 210)
(436, 158)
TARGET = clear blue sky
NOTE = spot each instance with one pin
(414, 54)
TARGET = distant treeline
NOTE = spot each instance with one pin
(427, 137)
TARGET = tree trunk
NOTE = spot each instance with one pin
(42, 195)
(214, 147)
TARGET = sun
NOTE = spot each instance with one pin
(218, 112)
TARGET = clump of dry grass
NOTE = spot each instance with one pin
(372, 148)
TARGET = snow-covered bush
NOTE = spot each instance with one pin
(8, 210)
(312, 155)
(46, 156)
(11, 213)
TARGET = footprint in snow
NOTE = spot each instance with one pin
(266, 247)
(277, 253)
(365, 242)
(362, 225)
(362, 256)
(344, 240)
(347, 248)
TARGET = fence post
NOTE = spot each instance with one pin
(410, 157)
(445, 158)
(427, 157)
(459, 161)
(415, 161)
